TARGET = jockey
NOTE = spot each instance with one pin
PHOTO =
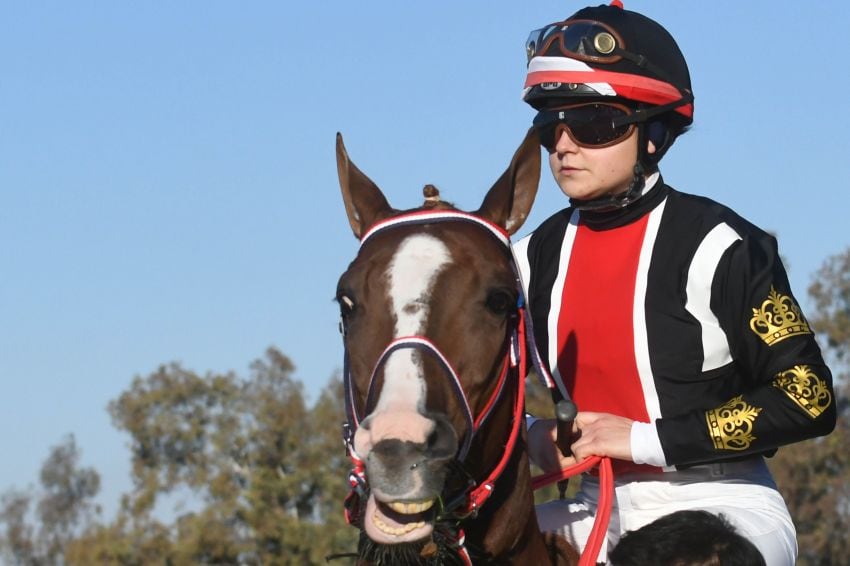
(665, 316)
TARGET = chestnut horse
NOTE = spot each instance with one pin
(435, 355)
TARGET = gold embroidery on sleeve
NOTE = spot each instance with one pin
(805, 388)
(731, 425)
(778, 318)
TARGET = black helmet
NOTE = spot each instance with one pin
(604, 52)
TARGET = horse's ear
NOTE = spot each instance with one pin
(364, 201)
(509, 201)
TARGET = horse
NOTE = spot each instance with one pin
(433, 329)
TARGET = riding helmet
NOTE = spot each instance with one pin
(609, 53)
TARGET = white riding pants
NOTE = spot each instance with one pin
(744, 492)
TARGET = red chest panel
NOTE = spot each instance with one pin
(596, 326)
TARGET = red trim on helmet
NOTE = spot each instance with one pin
(632, 87)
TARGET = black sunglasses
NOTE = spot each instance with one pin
(591, 125)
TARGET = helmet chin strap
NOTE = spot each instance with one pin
(617, 201)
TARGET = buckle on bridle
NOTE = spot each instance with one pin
(348, 437)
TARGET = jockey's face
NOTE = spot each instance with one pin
(588, 173)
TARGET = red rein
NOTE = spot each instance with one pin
(606, 496)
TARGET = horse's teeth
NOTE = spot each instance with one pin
(397, 531)
(410, 508)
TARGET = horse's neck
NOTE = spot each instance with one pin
(506, 527)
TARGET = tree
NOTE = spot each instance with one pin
(66, 504)
(63, 506)
(830, 290)
(814, 476)
(297, 473)
(18, 543)
(267, 472)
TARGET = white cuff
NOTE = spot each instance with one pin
(530, 420)
(646, 446)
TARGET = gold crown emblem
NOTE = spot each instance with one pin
(731, 425)
(805, 388)
(778, 318)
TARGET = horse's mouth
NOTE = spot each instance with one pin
(394, 522)
(408, 513)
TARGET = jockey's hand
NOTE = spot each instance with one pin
(602, 434)
(542, 448)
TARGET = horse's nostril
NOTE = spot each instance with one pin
(392, 448)
(442, 442)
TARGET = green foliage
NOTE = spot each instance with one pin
(184, 430)
(814, 476)
(538, 400)
(18, 540)
(266, 473)
(269, 470)
(830, 290)
(63, 506)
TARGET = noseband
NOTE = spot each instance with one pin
(424, 344)
(521, 343)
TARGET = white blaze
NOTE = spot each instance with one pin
(411, 273)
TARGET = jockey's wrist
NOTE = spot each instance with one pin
(646, 446)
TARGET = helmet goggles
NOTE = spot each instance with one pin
(585, 40)
(591, 53)
(592, 125)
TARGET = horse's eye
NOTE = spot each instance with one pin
(346, 309)
(346, 304)
(500, 301)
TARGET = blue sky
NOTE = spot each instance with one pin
(168, 186)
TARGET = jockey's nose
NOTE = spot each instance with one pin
(565, 143)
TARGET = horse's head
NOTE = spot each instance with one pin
(428, 307)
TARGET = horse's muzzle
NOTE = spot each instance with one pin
(405, 476)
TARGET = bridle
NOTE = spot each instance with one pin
(422, 343)
(514, 366)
